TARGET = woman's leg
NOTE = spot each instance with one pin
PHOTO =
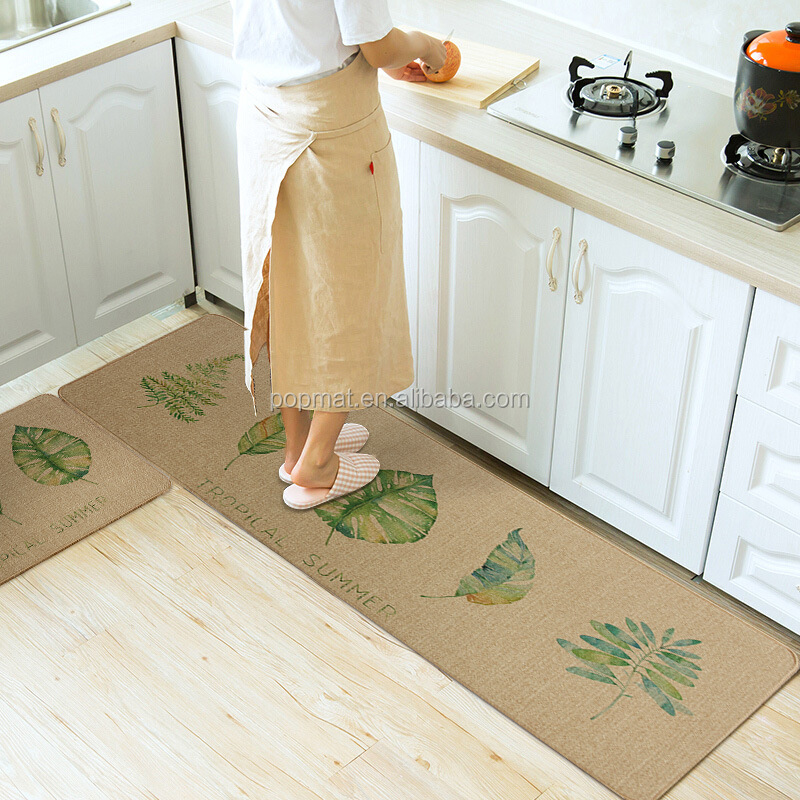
(318, 464)
(296, 422)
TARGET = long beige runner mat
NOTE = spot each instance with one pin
(62, 477)
(629, 674)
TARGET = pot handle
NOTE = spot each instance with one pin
(750, 35)
(793, 32)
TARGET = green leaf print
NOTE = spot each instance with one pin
(395, 507)
(266, 436)
(626, 662)
(184, 397)
(592, 676)
(616, 635)
(49, 456)
(3, 514)
(506, 576)
(658, 695)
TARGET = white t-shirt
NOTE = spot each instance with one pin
(293, 41)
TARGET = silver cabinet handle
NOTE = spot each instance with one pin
(552, 283)
(39, 146)
(576, 270)
(62, 139)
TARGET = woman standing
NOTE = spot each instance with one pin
(322, 258)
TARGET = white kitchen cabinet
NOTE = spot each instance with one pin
(762, 464)
(35, 312)
(648, 374)
(209, 90)
(489, 325)
(113, 138)
(771, 366)
(757, 561)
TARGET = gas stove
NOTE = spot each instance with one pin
(678, 135)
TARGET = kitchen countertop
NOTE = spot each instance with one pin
(765, 258)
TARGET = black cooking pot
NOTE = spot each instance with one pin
(767, 99)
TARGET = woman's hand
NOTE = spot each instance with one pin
(436, 53)
(395, 52)
(410, 72)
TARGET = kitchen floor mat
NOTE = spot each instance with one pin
(627, 673)
(62, 477)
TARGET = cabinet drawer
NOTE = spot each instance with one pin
(770, 373)
(755, 560)
(762, 466)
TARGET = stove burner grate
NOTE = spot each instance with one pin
(754, 160)
(614, 96)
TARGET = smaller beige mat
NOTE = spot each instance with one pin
(62, 477)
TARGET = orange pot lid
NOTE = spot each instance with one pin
(778, 49)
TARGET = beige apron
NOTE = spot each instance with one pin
(322, 259)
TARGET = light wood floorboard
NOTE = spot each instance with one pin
(170, 656)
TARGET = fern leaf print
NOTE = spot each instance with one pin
(634, 658)
(185, 397)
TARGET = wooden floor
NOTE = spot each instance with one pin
(171, 656)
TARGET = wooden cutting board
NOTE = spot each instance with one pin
(485, 73)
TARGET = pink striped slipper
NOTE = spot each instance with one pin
(355, 471)
(352, 438)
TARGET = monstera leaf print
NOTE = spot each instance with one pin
(3, 514)
(635, 658)
(49, 456)
(184, 396)
(267, 436)
(506, 576)
(395, 507)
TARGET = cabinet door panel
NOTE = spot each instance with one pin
(209, 88)
(489, 324)
(648, 374)
(35, 312)
(120, 194)
(757, 561)
(762, 463)
(771, 366)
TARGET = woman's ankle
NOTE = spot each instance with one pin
(315, 472)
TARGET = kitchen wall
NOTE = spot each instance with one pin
(702, 33)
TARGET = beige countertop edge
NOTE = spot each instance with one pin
(767, 259)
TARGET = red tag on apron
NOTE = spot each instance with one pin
(371, 167)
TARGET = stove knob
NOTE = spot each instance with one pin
(665, 151)
(627, 136)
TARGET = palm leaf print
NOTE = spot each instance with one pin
(184, 397)
(626, 660)
(395, 507)
(49, 456)
(506, 576)
(2, 514)
(266, 436)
